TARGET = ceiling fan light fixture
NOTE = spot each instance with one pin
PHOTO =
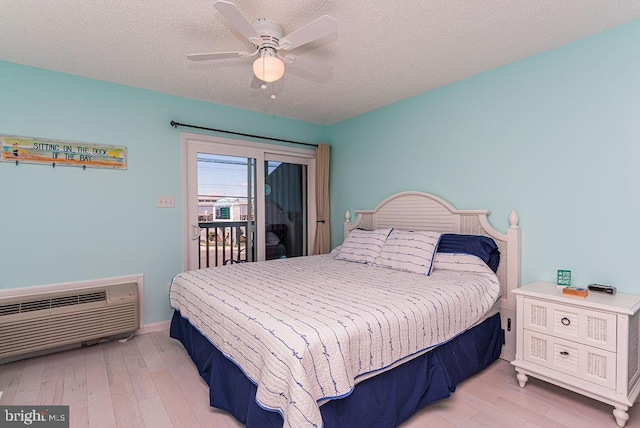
(268, 67)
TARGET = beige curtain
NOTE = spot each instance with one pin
(321, 244)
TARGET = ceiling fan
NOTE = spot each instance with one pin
(268, 39)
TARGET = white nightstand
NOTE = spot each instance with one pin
(588, 345)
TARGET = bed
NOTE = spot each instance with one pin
(353, 338)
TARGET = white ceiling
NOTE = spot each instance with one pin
(384, 51)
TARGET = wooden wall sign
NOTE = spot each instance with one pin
(52, 152)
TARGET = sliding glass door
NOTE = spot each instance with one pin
(245, 202)
(226, 209)
(285, 196)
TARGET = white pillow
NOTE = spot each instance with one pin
(409, 251)
(460, 262)
(363, 246)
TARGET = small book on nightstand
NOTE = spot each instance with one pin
(575, 292)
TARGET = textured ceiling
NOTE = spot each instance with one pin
(383, 52)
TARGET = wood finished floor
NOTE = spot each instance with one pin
(150, 381)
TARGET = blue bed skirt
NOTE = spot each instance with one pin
(384, 400)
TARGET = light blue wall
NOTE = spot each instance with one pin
(555, 136)
(67, 224)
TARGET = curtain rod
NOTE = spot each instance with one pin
(176, 124)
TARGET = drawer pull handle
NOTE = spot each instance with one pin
(565, 321)
(564, 353)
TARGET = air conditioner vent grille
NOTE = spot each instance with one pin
(92, 297)
(54, 302)
(35, 305)
(11, 309)
(59, 302)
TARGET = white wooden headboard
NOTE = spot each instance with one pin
(424, 211)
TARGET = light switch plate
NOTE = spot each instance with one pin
(166, 202)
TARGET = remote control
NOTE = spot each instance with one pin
(607, 289)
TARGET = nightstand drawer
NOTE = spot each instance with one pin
(585, 362)
(587, 326)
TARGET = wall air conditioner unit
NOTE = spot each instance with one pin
(39, 322)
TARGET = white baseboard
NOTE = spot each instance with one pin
(156, 326)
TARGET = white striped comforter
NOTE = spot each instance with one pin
(304, 329)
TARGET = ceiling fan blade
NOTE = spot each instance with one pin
(216, 55)
(232, 14)
(317, 29)
(311, 66)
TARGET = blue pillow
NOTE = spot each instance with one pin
(480, 246)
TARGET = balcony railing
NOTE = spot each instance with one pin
(222, 242)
